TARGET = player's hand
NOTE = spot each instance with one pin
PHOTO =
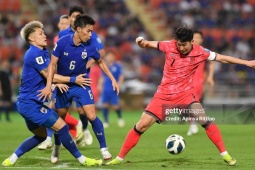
(116, 87)
(45, 93)
(62, 87)
(80, 80)
(141, 42)
(251, 63)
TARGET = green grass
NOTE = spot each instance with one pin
(150, 152)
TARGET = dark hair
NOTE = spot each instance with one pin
(183, 34)
(198, 32)
(75, 9)
(82, 21)
(63, 16)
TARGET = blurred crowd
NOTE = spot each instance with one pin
(228, 28)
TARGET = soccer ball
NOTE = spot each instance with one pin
(175, 144)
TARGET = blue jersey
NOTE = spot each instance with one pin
(35, 60)
(94, 40)
(73, 59)
(116, 71)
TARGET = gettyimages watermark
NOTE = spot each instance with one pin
(220, 114)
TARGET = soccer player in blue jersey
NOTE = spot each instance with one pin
(109, 97)
(70, 55)
(31, 98)
(73, 13)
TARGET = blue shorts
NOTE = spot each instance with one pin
(77, 94)
(110, 97)
(36, 114)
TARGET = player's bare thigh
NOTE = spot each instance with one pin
(145, 122)
(197, 111)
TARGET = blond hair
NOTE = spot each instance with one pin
(30, 28)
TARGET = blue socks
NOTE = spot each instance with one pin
(98, 129)
(28, 144)
(105, 112)
(67, 141)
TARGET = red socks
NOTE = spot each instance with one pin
(72, 122)
(214, 134)
(130, 141)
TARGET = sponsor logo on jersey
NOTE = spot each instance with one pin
(84, 54)
(39, 60)
(65, 53)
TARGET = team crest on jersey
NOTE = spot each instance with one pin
(84, 54)
(43, 110)
(39, 60)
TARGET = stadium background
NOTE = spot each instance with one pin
(228, 28)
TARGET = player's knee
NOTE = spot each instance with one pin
(141, 126)
(137, 131)
(206, 124)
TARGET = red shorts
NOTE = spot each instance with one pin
(158, 106)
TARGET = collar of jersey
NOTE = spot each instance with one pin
(36, 48)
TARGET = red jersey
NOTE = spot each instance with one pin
(95, 74)
(198, 79)
(179, 69)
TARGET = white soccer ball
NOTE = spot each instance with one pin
(175, 144)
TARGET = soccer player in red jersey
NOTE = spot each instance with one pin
(176, 89)
(199, 79)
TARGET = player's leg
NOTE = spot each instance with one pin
(212, 131)
(48, 142)
(28, 144)
(75, 128)
(116, 106)
(105, 108)
(84, 119)
(98, 129)
(105, 112)
(59, 125)
(132, 138)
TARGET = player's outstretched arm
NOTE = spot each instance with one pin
(232, 60)
(145, 43)
(210, 77)
(105, 69)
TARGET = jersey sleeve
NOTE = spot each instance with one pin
(211, 55)
(164, 46)
(95, 40)
(57, 49)
(37, 61)
(95, 54)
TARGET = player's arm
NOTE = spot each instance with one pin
(48, 74)
(145, 43)
(232, 60)
(80, 80)
(106, 70)
(92, 61)
(210, 77)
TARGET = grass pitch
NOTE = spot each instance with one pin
(150, 152)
